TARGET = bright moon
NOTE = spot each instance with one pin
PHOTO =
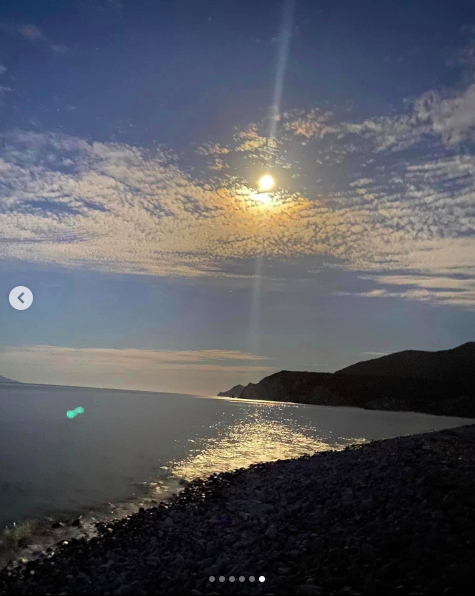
(266, 182)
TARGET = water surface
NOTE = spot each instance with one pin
(51, 464)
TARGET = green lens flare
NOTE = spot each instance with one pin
(73, 413)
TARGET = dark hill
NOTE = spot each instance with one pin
(432, 382)
(414, 364)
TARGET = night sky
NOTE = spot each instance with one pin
(133, 134)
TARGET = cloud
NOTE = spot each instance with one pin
(3, 69)
(447, 279)
(34, 35)
(194, 371)
(119, 208)
(448, 115)
(114, 207)
(384, 133)
(110, 361)
(361, 182)
(355, 194)
(312, 124)
(31, 32)
(452, 117)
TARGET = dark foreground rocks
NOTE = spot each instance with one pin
(390, 517)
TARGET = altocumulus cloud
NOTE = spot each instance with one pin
(120, 208)
(397, 206)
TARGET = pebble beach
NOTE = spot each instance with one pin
(390, 517)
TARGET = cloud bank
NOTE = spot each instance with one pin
(389, 199)
(127, 368)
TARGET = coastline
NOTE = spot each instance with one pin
(25, 540)
(257, 433)
(440, 383)
(426, 396)
(390, 516)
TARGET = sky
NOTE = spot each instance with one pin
(133, 135)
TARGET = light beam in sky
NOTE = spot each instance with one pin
(282, 59)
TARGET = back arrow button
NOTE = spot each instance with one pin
(21, 298)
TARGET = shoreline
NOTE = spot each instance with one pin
(27, 539)
(341, 406)
(263, 400)
(390, 516)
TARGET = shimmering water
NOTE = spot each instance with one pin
(123, 441)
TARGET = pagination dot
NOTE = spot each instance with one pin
(211, 578)
(232, 578)
(252, 578)
(262, 578)
(242, 578)
(222, 578)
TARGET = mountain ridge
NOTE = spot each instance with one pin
(441, 382)
(418, 364)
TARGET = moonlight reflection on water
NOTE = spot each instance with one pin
(256, 439)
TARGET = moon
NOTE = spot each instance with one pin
(266, 182)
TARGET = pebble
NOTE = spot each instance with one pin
(271, 532)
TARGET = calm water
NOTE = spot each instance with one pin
(125, 441)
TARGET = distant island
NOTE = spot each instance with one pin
(440, 383)
(5, 380)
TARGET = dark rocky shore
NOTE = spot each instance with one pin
(390, 517)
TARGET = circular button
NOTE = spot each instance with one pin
(21, 298)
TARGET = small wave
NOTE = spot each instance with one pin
(30, 539)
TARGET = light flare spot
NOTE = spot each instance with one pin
(266, 182)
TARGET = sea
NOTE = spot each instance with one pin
(121, 450)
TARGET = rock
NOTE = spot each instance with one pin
(294, 553)
(271, 532)
(24, 541)
(235, 391)
(308, 590)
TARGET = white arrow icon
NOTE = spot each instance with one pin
(21, 298)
